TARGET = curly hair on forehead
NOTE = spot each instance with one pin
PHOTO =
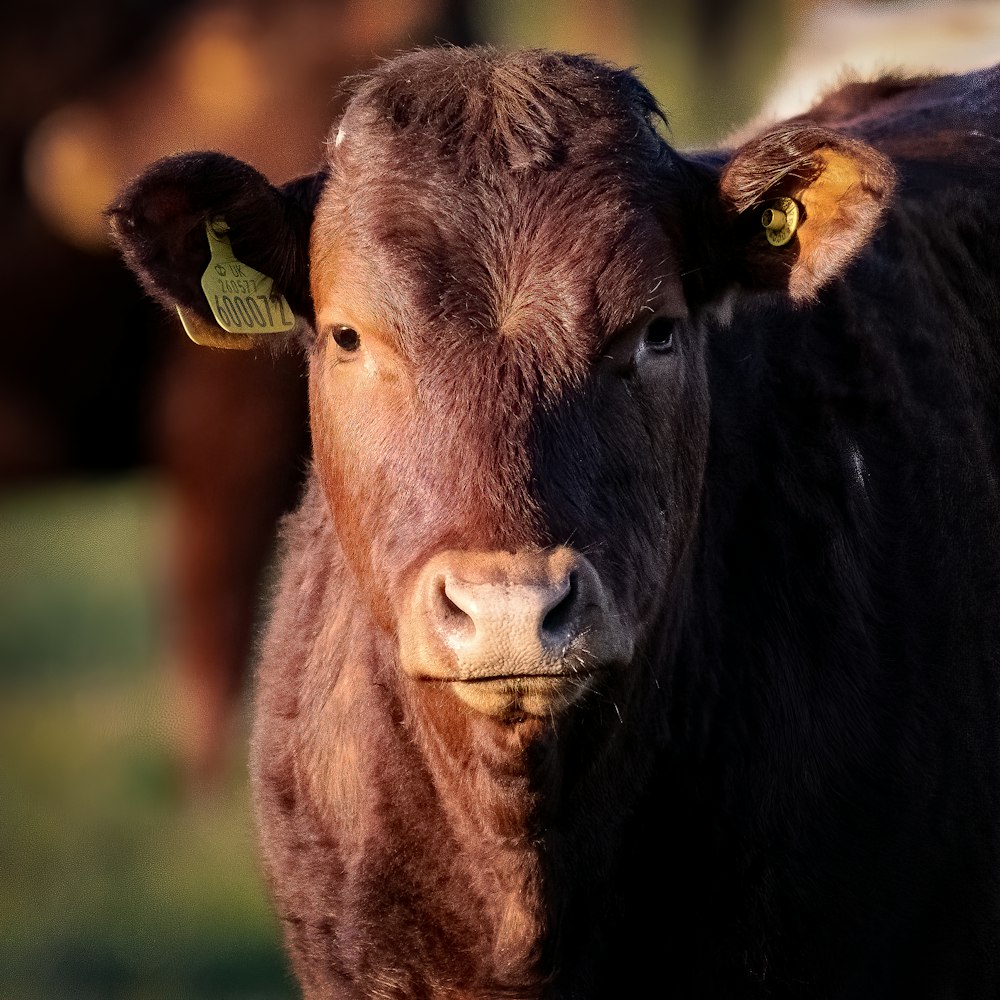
(527, 110)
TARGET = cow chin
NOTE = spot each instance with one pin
(512, 634)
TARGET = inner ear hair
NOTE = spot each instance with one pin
(841, 186)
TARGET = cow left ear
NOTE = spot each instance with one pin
(837, 186)
(210, 237)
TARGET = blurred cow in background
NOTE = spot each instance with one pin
(91, 378)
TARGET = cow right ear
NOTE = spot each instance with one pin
(834, 189)
(787, 212)
(210, 236)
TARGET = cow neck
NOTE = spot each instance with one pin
(500, 822)
(392, 777)
(537, 808)
(428, 816)
(490, 777)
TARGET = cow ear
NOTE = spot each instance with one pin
(190, 210)
(837, 186)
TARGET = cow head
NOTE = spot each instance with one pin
(501, 273)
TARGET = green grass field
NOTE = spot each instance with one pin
(113, 882)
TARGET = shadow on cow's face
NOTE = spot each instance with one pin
(509, 402)
(509, 419)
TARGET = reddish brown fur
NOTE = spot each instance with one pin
(771, 798)
(510, 317)
(504, 295)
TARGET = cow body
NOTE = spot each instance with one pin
(761, 759)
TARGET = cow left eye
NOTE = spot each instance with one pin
(659, 335)
(347, 339)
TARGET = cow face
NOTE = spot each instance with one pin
(510, 421)
(507, 372)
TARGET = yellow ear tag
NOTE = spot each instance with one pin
(206, 334)
(242, 299)
(780, 221)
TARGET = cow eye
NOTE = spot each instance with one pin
(346, 338)
(659, 335)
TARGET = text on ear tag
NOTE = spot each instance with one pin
(241, 298)
(780, 221)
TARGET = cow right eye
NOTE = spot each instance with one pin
(346, 338)
(659, 335)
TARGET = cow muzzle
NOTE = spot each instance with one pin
(513, 634)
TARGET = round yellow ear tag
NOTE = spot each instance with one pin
(780, 221)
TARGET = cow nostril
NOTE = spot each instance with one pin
(451, 616)
(560, 616)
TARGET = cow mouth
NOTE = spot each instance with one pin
(510, 695)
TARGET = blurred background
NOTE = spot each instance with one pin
(141, 477)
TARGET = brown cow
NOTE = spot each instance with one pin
(640, 629)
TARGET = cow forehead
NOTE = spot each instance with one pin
(485, 110)
(569, 253)
(492, 191)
